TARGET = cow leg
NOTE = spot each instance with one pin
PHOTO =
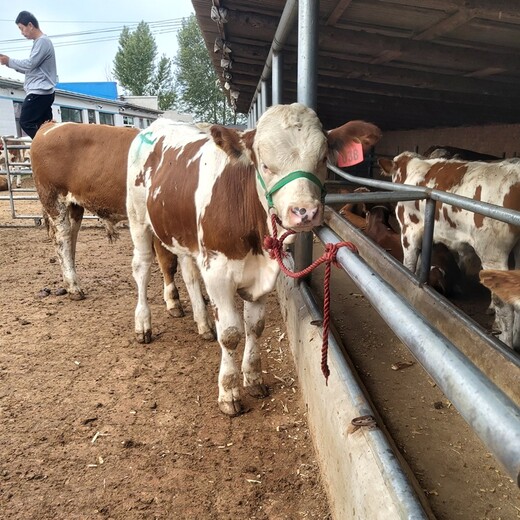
(229, 327)
(191, 277)
(504, 313)
(254, 320)
(141, 270)
(168, 264)
(75, 217)
(411, 243)
(65, 249)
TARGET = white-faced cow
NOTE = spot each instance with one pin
(208, 195)
(493, 240)
(78, 167)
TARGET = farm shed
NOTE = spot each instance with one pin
(405, 65)
(425, 72)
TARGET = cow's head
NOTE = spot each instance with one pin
(397, 168)
(290, 151)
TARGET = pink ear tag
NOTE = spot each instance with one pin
(350, 154)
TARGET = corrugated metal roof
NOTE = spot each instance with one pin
(400, 63)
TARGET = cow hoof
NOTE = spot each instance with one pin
(231, 408)
(43, 293)
(61, 292)
(208, 336)
(176, 312)
(144, 337)
(259, 391)
(76, 296)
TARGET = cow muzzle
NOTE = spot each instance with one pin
(304, 217)
(297, 216)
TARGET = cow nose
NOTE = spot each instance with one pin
(303, 215)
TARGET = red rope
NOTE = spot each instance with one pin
(274, 245)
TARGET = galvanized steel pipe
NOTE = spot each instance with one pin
(493, 416)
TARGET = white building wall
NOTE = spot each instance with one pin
(11, 91)
(7, 121)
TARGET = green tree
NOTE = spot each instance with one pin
(136, 70)
(162, 84)
(198, 88)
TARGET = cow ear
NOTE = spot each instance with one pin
(228, 139)
(367, 133)
(386, 165)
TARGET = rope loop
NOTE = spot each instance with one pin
(274, 246)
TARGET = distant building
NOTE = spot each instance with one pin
(80, 103)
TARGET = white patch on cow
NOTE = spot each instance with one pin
(57, 126)
(156, 192)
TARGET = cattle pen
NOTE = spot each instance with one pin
(391, 440)
(478, 365)
(407, 67)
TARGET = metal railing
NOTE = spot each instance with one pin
(410, 192)
(18, 170)
(492, 415)
(462, 379)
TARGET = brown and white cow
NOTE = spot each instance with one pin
(80, 167)
(505, 284)
(207, 195)
(492, 240)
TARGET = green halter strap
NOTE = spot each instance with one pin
(298, 174)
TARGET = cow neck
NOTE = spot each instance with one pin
(298, 174)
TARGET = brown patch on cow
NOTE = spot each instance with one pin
(406, 244)
(416, 204)
(478, 219)
(400, 214)
(445, 175)
(386, 166)
(234, 222)
(512, 201)
(171, 198)
(447, 217)
(248, 138)
(414, 219)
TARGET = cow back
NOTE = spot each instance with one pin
(86, 163)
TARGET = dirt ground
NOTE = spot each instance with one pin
(94, 425)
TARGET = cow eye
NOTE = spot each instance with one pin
(265, 169)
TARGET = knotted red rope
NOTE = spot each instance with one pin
(274, 245)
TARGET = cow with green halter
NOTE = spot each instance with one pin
(208, 193)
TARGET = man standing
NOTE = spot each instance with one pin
(40, 75)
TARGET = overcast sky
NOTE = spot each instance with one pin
(78, 57)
